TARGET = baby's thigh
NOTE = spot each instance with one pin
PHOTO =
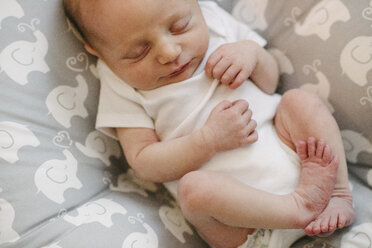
(205, 199)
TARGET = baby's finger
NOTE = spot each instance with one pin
(220, 68)
(247, 116)
(240, 78)
(230, 74)
(213, 59)
(253, 137)
(225, 104)
(241, 106)
(251, 126)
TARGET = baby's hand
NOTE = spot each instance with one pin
(230, 126)
(233, 63)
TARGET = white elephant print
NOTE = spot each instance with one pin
(367, 12)
(322, 88)
(358, 237)
(252, 12)
(356, 59)
(101, 211)
(7, 215)
(10, 8)
(54, 177)
(320, 19)
(65, 102)
(149, 239)
(98, 145)
(21, 58)
(174, 221)
(354, 144)
(367, 99)
(62, 139)
(128, 182)
(14, 136)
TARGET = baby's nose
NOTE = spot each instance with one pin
(169, 53)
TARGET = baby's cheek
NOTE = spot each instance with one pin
(137, 76)
(198, 39)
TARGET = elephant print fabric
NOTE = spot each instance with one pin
(62, 180)
(65, 102)
(321, 18)
(14, 136)
(7, 215)
(13, 10)
(54, 177)
(23, 57)
(101, 211)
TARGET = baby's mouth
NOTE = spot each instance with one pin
(179, 70)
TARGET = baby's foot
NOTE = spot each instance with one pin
(338, 214)
(317, 179)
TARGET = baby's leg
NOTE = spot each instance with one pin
(301, 115)
(224, 210)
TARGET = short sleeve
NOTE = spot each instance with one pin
(118, 105)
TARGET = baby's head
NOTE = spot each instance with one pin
(147, 43)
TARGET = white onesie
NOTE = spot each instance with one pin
(180, 108)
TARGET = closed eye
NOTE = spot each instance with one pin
(138, 52)
(180, 25)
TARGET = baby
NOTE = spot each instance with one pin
(175, 92)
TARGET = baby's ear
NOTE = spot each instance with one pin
(90, 50)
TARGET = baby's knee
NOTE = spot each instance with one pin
(192, 191)
(300, 100)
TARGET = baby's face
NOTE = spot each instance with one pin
(151, 43)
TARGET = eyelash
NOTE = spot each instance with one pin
(180, 29)
(142, 54)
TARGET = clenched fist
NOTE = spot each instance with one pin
(230, 126)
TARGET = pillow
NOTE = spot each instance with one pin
(62, 183)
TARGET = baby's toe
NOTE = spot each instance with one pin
(324, 226)
(316, 227)
(320, 148)
(341, 221)
(311, 146)
(301, 149)
(309, 229)
(333, 222)
(327, 153)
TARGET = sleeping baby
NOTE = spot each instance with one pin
(181, 82)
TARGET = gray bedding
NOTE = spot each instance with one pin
(63, 184)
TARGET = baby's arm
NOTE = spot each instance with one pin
(229, 126)
(233, 63)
